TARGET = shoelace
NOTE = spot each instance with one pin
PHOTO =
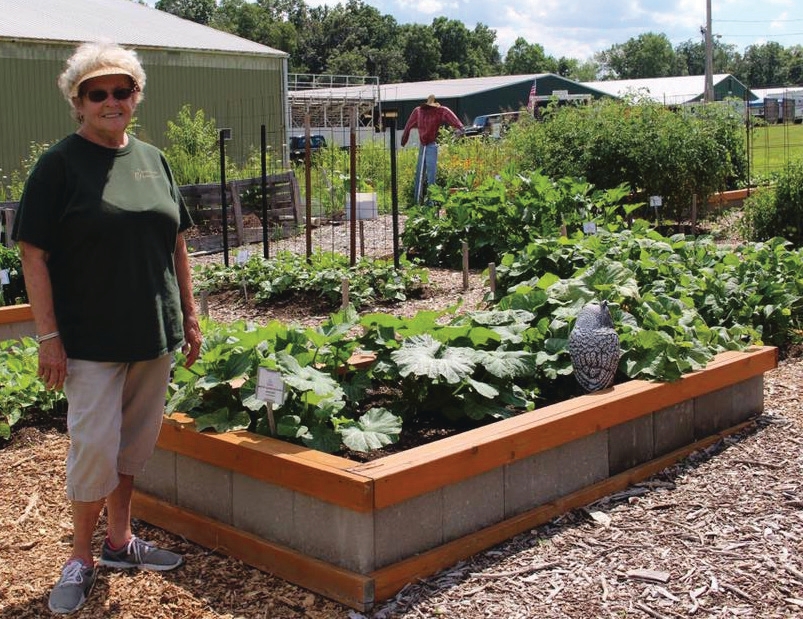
(73, 573)
(137, 548)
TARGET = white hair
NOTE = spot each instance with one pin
(94, 56)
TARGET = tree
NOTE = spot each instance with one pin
(200, 11)
(486, 59)
(648, 55)
(794, 64)
(765, 65)
(691, 57)
(573, 69)
(355, 39)
(422, 52)
(523, 58)
(453, 38)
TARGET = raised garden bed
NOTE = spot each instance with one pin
(16, 321)
(358, 532)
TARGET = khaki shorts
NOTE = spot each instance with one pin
(114, 415)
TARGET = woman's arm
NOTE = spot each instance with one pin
(52, 357)
(192, 330)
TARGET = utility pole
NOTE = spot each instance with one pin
(709, 56)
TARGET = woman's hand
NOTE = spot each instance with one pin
(192, 340)
(52, 363)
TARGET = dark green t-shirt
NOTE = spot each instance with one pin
(109, 219)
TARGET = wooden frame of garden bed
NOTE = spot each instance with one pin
(16, 321)
(358, 532)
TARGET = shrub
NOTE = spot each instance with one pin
(11, 188)
(778, 210)
(655, 150)
(505, 213)
(193, 153)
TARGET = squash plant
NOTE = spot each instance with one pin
(219, 390)
(675, 302)
(287, 274)
(506, 213)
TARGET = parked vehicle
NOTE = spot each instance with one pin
(491, 125)
(298, 145)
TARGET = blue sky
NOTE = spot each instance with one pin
(578, 29)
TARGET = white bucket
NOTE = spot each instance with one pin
(366, 206)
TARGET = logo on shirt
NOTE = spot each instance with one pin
(141, 175)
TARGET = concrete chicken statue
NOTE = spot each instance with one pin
(594, 347)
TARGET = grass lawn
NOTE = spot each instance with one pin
(773, 146)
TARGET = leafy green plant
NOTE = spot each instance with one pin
(676, 302)
(193, 150)
(14, 292)
(655, 150)
(11, 187)
(21, 391)
(371, 280)
(504, 214)
(321, 407)
(777, 210)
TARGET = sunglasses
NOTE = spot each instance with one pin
(99, 96)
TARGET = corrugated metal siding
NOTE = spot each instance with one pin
(31, 106)
(240, 92)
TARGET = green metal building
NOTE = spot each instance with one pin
(471, 97)
(239, 83)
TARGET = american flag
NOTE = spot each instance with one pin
(531, 99)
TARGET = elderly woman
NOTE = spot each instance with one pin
(106, 269)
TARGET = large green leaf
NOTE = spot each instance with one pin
(323, 438)
(507, 364)
(422, 355)
(373, 430)
(307, 378)
(223, 420)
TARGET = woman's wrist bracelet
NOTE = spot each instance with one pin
(47, 336)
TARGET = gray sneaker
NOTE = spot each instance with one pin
(137, 553)
(73, 588)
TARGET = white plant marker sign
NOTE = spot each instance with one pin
(270, 389)
(656, 202)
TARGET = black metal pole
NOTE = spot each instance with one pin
(353, 188)
(222, 140)
(748, 125)
(265, 248)
(394, 191)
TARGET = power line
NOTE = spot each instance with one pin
(755, 21)
(765, 36)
